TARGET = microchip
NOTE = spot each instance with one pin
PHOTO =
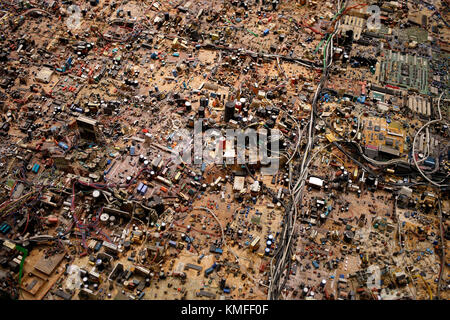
(63, 294)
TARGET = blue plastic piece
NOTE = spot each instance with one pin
(63, 146)
(172, 243)
(430, 162)
(35, 168)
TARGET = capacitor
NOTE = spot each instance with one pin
(188, 228)
(163, 226)
(223, 142)
(270, 123)
(222, 283)
(239, 233)
(274, 118)
(323, 283)
(229, 111)
(85, 279)
(238, 105)
(201, 112)
(269, 243)
(188, 106)
(266, 251)
(104, 217)
(270, 237)
(96, 194)
(141, 158)
(146, 163)
(129, 179)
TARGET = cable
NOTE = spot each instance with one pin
(414, 144)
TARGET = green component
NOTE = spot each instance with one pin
(256, 220)
(319, 45)
(25, 254)
(10, 183)
(250, 31)
(329, 38)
